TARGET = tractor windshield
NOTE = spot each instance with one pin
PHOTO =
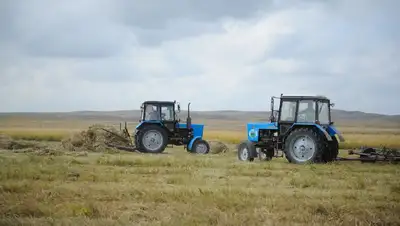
(151, 112)
(167, 113)
(288, 111)
(323, 112)
(306, 111)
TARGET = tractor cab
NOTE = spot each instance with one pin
(162, 111)
(304, 110)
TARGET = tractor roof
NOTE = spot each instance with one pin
(304, 98)
(158, 102)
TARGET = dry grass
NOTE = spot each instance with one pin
(48, 134)
(182, 189)
(355, 137)
(52, 186)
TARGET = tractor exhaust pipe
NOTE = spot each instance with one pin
(272, 118)
(189, 120)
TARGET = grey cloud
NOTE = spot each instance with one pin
(349, 51)
(156, 13)
(172, 30)
(77, 29)
(7, 20)
(66, 29)
(347, 40)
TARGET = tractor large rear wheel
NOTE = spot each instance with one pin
(152, 139)
(304, 145)
(332, 150)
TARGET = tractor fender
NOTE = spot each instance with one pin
(192, 141)
(333, 131)
(148, 122)
(328, 137)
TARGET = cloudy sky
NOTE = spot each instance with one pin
(220, 54)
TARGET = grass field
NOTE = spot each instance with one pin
(182, 189)
(59, 187)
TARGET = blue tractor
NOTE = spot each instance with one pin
(301, 129)
(160, 126)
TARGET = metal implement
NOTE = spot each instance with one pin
(369, 154)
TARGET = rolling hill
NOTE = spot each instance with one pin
(340, 117)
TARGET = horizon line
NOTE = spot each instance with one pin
(222, 110)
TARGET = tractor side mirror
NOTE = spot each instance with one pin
(332, 104)
(179, 108)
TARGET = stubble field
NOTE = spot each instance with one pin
(55, 186)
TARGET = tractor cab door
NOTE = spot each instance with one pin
(287, 115)
(168, 117)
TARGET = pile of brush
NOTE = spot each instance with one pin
(95, 139)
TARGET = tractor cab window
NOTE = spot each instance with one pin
(306, 111)
(288, 111)
(167, 113)
(152, 112)
(323, 112)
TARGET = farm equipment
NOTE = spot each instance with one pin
(372, 155)
(301, 130)
(160, 126)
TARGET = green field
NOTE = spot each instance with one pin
(43, 183)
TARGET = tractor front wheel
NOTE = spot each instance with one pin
(304, 145)
(200, 146)
(246, 151)
(152, 139)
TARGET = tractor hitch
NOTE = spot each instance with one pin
(124, 148)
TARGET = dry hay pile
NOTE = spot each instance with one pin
(217, 147)
(95, 139)
(22, 146)
(8, 143)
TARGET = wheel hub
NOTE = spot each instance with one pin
(303, 148)
(201, 148)
(152, 140)
(244, 154)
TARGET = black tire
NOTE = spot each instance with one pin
(266, 154)
(142, 133)
(247, 151)
(332, 150)
(198, 145)
(317, 149)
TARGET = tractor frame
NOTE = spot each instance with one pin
(298, 136)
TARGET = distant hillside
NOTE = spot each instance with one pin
(339, 116)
